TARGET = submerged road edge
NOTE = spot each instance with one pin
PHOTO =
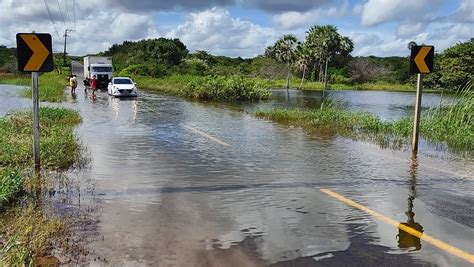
(429, 239)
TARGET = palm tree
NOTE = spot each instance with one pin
(303, 60)
(325, 40)
(346, 46)
(285, 51)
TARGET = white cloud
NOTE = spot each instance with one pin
(379, 11)
(294, 19)
(95, 31)
(216, 31)
(410, 28)
(465, 12)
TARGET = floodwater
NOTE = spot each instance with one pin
(184, 183)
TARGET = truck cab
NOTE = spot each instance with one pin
(101, 67)
(102, 72)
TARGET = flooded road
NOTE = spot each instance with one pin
(181, 183)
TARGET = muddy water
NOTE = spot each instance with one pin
(169, 195)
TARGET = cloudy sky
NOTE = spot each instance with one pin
(239, 27)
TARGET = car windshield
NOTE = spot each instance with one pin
(102, 69)
(122, 81)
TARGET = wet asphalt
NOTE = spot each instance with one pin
(172, 182)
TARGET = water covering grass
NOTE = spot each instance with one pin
(453, 125)
(52, 85)
(25, 231)
(224, 88)
(369, 86)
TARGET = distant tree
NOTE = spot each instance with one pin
(457, 64)
(205, 56)
(303, 60)
(162, 52)
(363, 69)
(285, 51)
(325, 42)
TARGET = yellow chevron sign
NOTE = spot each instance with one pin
(421, 60)
(35, 53)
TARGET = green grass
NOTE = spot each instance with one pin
(453, 126)
(30, 232)
(11, 182)
(59, 148)
(27, 231)
(15, 79)
(216, 88)
(51, 85)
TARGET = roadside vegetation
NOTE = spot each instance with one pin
(26, 231)
(453, 125)
(296, 63)
(52, 84)
(232, 88)
(289, 63)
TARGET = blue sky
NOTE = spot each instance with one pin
(243, 27)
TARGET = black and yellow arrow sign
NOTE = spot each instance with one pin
(34, 52)
(421, 60)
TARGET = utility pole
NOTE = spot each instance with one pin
(65, 44)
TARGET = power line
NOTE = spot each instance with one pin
(60, 12)
(67, 12)
(51, 18)
(74, 11)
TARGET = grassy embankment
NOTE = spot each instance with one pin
(452, 125)
(52, 85)
(26, 231)
(207, 87)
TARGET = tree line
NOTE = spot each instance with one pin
(322, 44)
(323, 56)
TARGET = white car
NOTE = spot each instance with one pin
(122, 86)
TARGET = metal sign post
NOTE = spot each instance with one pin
(416, 124)
(421, 62)
(35, 54)
(36, 127)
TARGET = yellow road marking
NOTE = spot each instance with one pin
(206, 135)
(40, 52)
(420, 59)
(433, 241)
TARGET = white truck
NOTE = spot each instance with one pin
(101, 67)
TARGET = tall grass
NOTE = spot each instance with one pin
(51, 85)
(59, 148)
(453, 125)
(11, 182)
(26, 230)
(15, 79)
(224, 88)
(52, 88)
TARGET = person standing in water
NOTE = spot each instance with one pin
(93, 84)
(73, 83)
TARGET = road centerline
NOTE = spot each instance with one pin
(423, 236)
(203, 134)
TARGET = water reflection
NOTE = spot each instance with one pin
(406, 240)
(386, 105)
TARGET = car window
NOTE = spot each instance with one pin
(122, 81)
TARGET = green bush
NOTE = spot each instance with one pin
(226, 88)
